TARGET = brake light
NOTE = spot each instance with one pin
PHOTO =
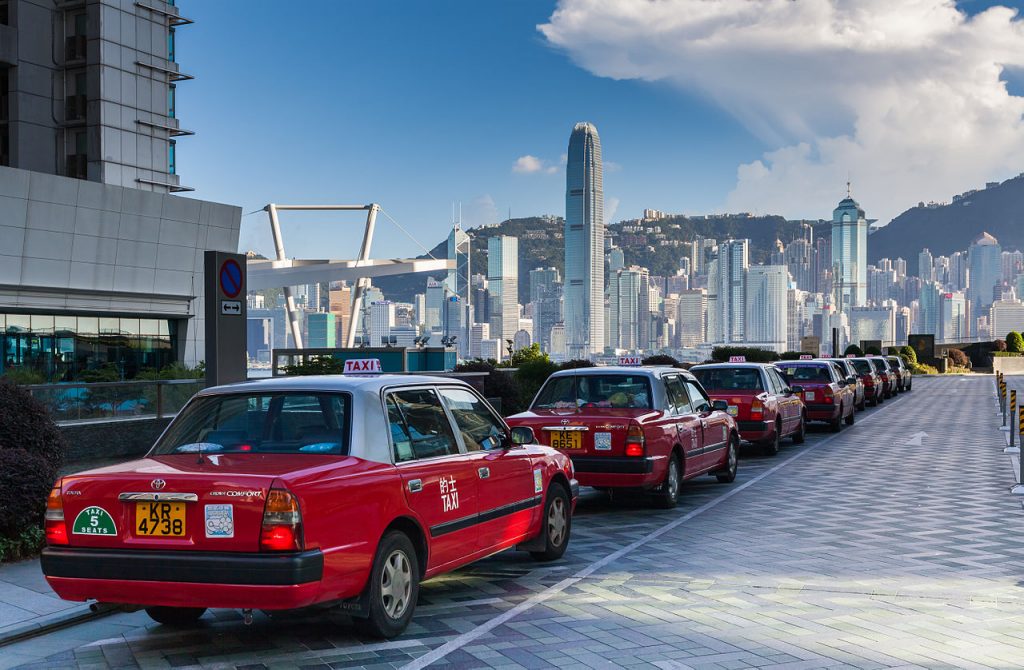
(56, 530)
(757, 408)
(829, 394)
(868, 381)
(635, 441)
(282, 522)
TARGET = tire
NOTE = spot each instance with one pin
(836, 424)
(850, 419)
(557, 523)
(668, 493)
(179, 617)
(873, 402)
(863, 404)
(800, 435)
(728, 475)
(771, 447)
(393, 588)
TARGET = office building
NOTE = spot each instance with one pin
(584, 243)
(382, 320)
(321, 330)
(929, 310)
(99, 263)
(925, 265)
(546, 297)
(729, 280)
(953, 317)
(849, 255)
(558, 347)
(985, 268)
(1006, 315)
(691, 311)
(874, 323)
(766, 321)
(459, 294)
(478, 332)
(259, 338)
(503, 285)
(624, 308)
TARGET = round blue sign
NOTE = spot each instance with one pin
(231, 278)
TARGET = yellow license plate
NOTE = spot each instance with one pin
(160, 519)
(567, 439)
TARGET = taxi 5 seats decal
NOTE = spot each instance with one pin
(94, 520)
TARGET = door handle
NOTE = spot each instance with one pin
(415, 485)
(484, 472)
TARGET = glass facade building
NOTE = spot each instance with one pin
(584, 244)
(61, 347)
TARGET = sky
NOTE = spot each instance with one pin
(767, 106)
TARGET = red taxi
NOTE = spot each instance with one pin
(853, 380)
(646, 428)
(826, 394)
(885, 373)
(764, 405)
(904, 378)
(285, 493)
(874, 391)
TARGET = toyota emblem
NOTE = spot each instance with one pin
(158, 484)
(565, 422)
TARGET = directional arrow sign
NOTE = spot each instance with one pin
(915, 439)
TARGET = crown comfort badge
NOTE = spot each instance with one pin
(94, 521)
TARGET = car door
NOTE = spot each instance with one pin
(715, 426)
(510, 493)
(790, 405)
(689, 427)
(439, 481)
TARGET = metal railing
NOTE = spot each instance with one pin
(100, 401)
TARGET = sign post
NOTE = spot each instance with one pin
(225, 313)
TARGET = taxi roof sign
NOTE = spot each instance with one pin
(632, 361)
(851, 355)
(806, 357)
(362, 366)
(737, 359)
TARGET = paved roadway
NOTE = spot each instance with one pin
(877, 547)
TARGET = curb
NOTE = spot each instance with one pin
(51, 622)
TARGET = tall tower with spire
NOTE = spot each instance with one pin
(849, 254)
(584, 244)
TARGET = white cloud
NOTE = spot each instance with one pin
(611, 206)
(481, 211)
(611, 166)
(902, 96)
(530, 164)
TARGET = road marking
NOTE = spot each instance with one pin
(915, 439)
(553, 590)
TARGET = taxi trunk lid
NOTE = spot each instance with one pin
(589, 432)
(741, 402)
(178, 502)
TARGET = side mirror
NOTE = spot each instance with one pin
(851, 380)
(720, 405)
(796, 389)
(522, 435)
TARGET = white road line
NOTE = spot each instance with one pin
(553, 590)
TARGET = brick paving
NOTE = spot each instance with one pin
(862, 550)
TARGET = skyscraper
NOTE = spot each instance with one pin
(767, 320)
(503, 285)
(459, 292)
(584, 244)
(729, 279)
(849, 254)
(546, 296)
(985, 261)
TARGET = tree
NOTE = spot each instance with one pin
(998, 345)
(958, 358)
(317, 365)
(908, 354)
(853, 349)
(1014, 342)
(575, 363)
(533, 367)
(660, 359)
(874, 351)
(752, 354)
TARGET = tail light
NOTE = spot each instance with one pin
(868, 381)
(56, 530)
(756, 409)
(635, 441)
(829, 394)
(282, 523)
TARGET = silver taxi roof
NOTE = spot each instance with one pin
(353, 382)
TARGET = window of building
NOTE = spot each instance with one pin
(4, 14)
(62, 347)
(171, 156)
(170, 44)
(170, 101)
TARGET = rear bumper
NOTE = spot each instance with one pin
(185, 579)
(822, 412)
(613, 471)
(755, 431)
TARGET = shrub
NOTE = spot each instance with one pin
(794, 355)
(874, 351)
(498, 383)
(908, 354)
(574, 363)
(31, 453)
(958, 358)
(998, 345)
(752, 354)
(533, 367)
(853, 349)
(922, 369)
(22, 375)
(660, 359)
(318, 365)
(1014, 342)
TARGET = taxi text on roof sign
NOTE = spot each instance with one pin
(851, 355)
(806, 357)
(737, 359)
(355, 366)
(629, 360)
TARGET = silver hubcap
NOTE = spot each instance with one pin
(557, 522)
(673, 479)
(732, 456)
(396, 584)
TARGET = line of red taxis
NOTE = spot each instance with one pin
(348, 491)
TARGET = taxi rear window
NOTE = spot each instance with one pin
(807, 373)
(730, 379)
(276, 423)
(863, 367)
(610, 390)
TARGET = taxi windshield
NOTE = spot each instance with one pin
(729, 379)
(807, 373)
(609, 390)
(280, 423)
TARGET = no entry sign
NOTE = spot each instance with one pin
(230, 278)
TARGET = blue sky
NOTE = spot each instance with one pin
(415, 105)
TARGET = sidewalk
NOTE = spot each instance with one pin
(28, 604)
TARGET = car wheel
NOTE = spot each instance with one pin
(853, 417)
(771, 447)
(557, 524)
(863, 404)
(801, 433)
(732, 461)
(668, 493)
(178, 617)
(836, 424)
(393, 588)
